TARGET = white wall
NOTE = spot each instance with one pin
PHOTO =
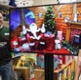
(43, 2)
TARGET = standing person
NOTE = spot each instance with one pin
(5, 56)
(78, 63)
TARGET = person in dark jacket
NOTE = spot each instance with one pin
(5, 55)
(78, 63)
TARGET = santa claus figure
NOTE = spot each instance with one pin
(34, 35)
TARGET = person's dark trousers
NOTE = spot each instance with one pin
(6, 71)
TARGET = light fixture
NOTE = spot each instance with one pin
(23, 3)
(5, 2)
(68, 1)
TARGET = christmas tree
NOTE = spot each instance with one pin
(49, 20)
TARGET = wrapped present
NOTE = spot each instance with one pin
(50, 42)
(55, 62)
(40, 61)
(14, 39)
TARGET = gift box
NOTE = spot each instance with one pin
(50, 42)
(40, 61)
(14, 39)
(55, 62)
